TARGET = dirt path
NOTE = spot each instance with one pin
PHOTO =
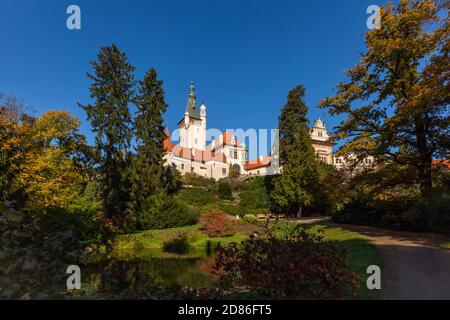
(414, 266)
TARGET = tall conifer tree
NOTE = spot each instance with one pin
(294, 188)
(112, 91)
(148, 170)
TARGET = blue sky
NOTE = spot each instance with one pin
(243, 55)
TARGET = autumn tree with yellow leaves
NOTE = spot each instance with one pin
(44, 158)
(396, 100)
(49, 174)
(14, 125)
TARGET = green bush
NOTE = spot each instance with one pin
(64, 232)
(432, 214)
(196, 196)
(253, 199)
(224, 190)
(298, 265)
(231, 209)
(88, 200)
(170, 213)
(197, 180)
(178, 245)
(424, 215)
(250, 218)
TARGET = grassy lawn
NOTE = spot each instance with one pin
(150, 242)
(445, 245)
(360, 254)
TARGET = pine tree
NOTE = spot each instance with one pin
(149, 174)
(112, 90)
(294, 189)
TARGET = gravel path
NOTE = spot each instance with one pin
(414, 267)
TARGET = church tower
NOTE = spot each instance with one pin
(319, 131)
(193, 125)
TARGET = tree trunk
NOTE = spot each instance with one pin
(425, 158)
(299, 212)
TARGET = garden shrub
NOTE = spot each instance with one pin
(250, 218)
(424, 215)
(298, 265)
(196, 196)
(170, 213)
(197, 180)
(224, 190)
(251, 199)
(217, 224)
(231, 209)
(61, 231)
(210, 207)
(178, 245)
(431, 214)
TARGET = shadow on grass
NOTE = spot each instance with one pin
(361, 253)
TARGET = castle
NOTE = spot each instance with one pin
(216, 159)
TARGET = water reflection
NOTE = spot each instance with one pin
(116, 275)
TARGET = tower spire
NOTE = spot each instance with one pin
(192, 89)
(191, 107)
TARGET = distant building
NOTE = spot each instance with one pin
(213, 160)
(321, 142)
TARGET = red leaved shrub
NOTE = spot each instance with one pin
(299, 265)
(217, 223)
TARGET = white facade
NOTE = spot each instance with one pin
(193, 155)
(321, 142)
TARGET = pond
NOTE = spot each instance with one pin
(116, 274)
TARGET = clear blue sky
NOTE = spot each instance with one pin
(243, 55)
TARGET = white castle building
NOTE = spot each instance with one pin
(216, 159)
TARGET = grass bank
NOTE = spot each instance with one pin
(150, 242)
(446, 245)
(361, 253)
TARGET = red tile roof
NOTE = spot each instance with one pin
(167, 143)
(228, 137)
(441, 163)
(192, 154)
(258, 163)
(198, 155)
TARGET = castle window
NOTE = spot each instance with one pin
(235, 155)
(182, 166)
(196, 141)
(224, 171)
(320, 134)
